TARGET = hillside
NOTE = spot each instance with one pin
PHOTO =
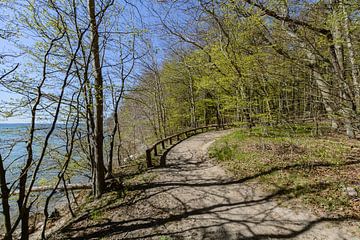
(195, 198)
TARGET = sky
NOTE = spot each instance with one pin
(143, 17)
(7, 47)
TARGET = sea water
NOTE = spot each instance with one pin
(13, 142)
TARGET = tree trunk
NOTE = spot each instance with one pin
(192, 103)
(351, 52)
(25, 224)
(5, 201)
(99, 132)
(337, 59)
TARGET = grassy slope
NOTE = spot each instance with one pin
(313, 170)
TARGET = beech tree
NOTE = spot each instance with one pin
(99, 105)
(260, 62)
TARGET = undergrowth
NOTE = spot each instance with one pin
(318, 170)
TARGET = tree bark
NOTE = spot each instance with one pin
(5, 201)
(99, 104)
(351, 53)
(25, 223)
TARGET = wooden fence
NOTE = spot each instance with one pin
(172, 140)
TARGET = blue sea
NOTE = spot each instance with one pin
(13, 141)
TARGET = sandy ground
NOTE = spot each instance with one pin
(192, 198)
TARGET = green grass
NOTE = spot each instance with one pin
(313, 169)
(96, 215)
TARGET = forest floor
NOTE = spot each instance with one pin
(196, 198)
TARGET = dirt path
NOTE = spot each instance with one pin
(195, 199)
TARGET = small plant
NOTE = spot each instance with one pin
(95, 215)
(223, 153)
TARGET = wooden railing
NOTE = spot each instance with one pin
(175, 139)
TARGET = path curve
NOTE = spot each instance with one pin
(195, 199)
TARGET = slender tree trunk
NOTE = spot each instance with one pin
(193, 118)
(192, 103)
(337, 57)
(351, 52)
(99, 131)
(25, 223)
(237, 117)
(113, 133)
(218, 114)
(5, 201)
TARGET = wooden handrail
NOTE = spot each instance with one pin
(178, 137)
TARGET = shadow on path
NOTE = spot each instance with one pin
(194, 199)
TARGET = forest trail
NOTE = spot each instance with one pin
(192, 198)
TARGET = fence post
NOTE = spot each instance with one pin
(155, 150)
(148, 158)
(162, 161)
(187, 134)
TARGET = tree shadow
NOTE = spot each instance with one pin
(296, 166)
(210, 221)
(143, 224)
